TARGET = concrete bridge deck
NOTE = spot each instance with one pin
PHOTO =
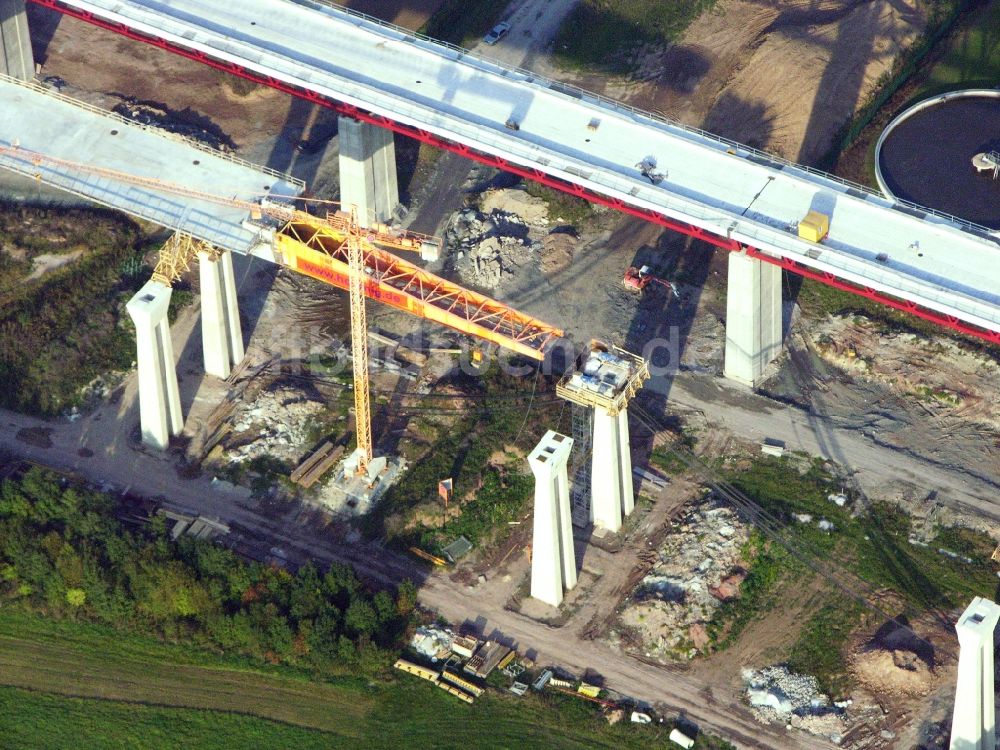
(34, 118)
(731, 191)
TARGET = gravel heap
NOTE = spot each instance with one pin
(532, 210)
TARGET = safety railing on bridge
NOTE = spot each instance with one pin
(114, 116)
(570, 90)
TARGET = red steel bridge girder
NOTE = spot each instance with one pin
(537, 175)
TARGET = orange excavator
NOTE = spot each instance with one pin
(637, 279)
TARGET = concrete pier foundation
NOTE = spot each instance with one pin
(973, 725)
(753, 318)
(159, 400)
(16, 58)
(553, 559)
(611, 471)
(221, 333)
(368, 177)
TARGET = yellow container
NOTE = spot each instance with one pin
(814, 227)
(591, 691)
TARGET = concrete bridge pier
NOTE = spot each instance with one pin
(16, 59)
(368, 177)
(221, 333)
(973, 724)
(553, 559)
(611, 470)
(753, 318)
(159, 400)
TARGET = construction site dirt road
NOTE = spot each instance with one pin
(99, 447)
(715, 709)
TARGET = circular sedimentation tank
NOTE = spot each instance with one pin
(935, 154)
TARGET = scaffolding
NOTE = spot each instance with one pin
(583, 431)
(606, 378)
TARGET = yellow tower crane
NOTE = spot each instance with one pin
(359, 345)
(338, 250)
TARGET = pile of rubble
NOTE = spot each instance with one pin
(432, 642)
(488, 248)
(700, 566)
(277, 423)
(775, 694)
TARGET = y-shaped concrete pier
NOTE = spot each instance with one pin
(973, 725)
(368, 177)
(553, 559)
(604, 380)
(16, 58)
(159, 400)
(753, 318)
(221, 333)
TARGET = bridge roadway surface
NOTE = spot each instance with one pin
(440, 92)
(37, 119)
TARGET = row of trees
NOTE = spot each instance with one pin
(63, 551)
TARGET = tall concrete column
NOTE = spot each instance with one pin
(367, 170)
(625, 459)
(159, 400)
(565, 513)
(611, 470)
(753, 318)
(973, 725)
(16, 59)
(553, 561)
(221, 333)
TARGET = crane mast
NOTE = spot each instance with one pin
(359, 344)
(315, 247)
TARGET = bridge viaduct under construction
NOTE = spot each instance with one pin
(769, 214)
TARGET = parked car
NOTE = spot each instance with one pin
(497, 33)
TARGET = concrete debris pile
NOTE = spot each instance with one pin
(432, 643)
(776, 694)
(700, 566)
(277, 423)
(488, 248)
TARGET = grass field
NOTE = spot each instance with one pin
(870, 542)
(37, 720)
(971, 55)
(602, 34)
(69, 685)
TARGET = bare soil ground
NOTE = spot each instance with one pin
(781, 75)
